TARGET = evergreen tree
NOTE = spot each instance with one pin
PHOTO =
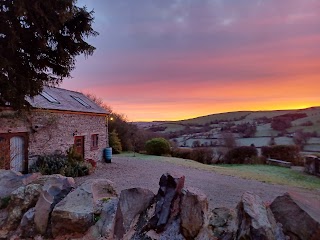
(114, 142)
(39, 41)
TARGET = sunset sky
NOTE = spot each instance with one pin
(178, 59)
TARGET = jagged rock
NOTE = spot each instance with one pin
(105, 225)
(75, 213)
(132, 203)
(167, 200)
(253, 219)
(194, 211)
(299, 216)
(55, 188)
(206, 234)
(22, 199)
(172, 231)
(12, 180)
(27, 226)
(222, 223)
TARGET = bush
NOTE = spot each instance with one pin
(184, 153)
(114, 142)
(289, 153)
(50, 164)
(202, 155)
(240, 155)
(158, 146)
(281, 124)
(70, 165)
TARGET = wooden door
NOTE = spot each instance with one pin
(14, 151)
(79, 145)
(4, 152)
(17, 150)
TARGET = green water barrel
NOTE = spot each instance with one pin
(107, 154)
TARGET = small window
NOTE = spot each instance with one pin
(79, 100)
(49, 97)
(94, 141)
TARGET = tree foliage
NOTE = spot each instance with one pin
(39, 42)
(114, 142)
(240, 155)
(289, 153)
(158, 146)
(281, 124)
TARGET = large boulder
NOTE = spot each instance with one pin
(22, 199)
(194, 212)
(106, 222)
(254, 219)
(132, 203)
(11, 180)
(77, 211)
(55, 188)
(222, 223)
(167, 200)
(300, 216)
(27, 227)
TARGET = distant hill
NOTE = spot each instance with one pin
(208, 129)
(312, 112)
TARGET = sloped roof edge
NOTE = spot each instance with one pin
(64, 100)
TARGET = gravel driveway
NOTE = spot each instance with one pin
(222, 190)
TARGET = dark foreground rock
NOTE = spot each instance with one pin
(299, 216)
(50, 208)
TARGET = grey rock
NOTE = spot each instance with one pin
(223, 224)
(194, 211)
(253, 219)
(299, 216)
(132, 203)
(27, 226)
(105, 225)
(22, 199)
(167, 200)
(75, 213)
(55, 188)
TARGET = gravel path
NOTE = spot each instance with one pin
(222, 190)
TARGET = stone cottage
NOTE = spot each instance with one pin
(58, 119)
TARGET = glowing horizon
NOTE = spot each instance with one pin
(173, 60)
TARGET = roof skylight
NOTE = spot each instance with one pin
(49, 97)
(81, 102)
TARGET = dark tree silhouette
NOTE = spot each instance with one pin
(39, 41)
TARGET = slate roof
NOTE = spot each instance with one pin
(66, 100)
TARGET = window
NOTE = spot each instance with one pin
(79, 100)
(94, 141)
(49, 97)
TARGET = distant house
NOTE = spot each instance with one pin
(58, 120)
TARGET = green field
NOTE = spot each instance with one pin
(262, 173)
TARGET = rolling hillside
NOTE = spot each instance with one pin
(208, 130)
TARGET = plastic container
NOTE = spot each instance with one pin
(107, 154)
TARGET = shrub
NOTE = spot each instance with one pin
(202, 155)
(158, 146)
(49, 164)
(70, 165)
(184, 153)
(240, 155)
(114, 142)
(281, 123)
(289, 153)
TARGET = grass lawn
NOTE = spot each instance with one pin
(262, 173)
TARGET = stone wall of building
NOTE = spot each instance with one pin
(55, 131)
